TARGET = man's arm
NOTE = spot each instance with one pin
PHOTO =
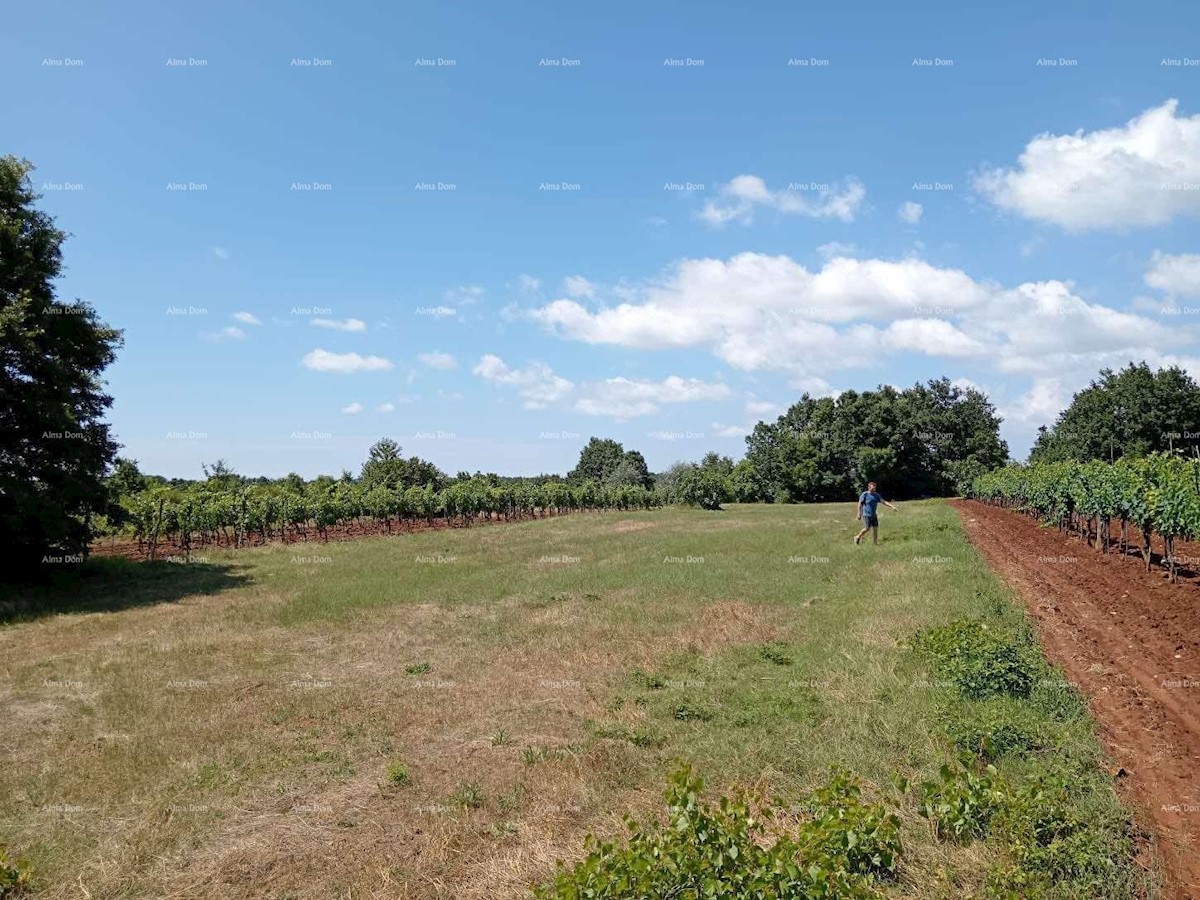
(858, 513)
(889, 505)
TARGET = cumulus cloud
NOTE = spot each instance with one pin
(618, 398)
(220, 252)
(537, 384)
(769, 313)
(246, 318)
(1176, 276)
(344, 363)
(762, 409)
(910, 213)
(353, 409)
(738, 200)
(529, 283)
(1041, 404)
(438, 360)
(1137, 174)
(340, 324)
(386, 407)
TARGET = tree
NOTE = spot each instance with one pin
(1134, 412)
(54, 448)
(384, 467)
(598, 458)
(923, 440)
(708, 484)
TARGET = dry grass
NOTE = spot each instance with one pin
(237, 743)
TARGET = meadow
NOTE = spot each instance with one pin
(447, 713)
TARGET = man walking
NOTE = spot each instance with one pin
(867, 502)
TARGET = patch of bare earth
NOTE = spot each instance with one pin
(1131, 642)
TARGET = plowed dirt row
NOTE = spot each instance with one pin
(1131, 642)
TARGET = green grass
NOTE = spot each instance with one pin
(757, 644)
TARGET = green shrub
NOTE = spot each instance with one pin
(397, 773)
(961, 803)
(722, 851)
(982, 662)
(417, 668)
(992, 728)
(15, 878)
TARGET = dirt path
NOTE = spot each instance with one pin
(1131, 642)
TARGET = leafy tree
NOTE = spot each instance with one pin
(1134, 412)
(922, 440)
(54, 449)
(637, 463)
(598, 458)
(126, 478)
(708, 484)
(626, 474)
(669, 484)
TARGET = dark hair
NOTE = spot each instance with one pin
(872, 484)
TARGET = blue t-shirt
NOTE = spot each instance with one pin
(869, 501)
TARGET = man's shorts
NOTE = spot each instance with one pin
(870, 521)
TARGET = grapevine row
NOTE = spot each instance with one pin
(205, 514)
(1156, 494)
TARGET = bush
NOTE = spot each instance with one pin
(993, 728)
(15, 879)
(721, 851)
(982, 662)
(961, 803)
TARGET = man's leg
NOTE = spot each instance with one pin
(858, 537)
(875, 534)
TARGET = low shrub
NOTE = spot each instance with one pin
(723, 851)
(982, 661)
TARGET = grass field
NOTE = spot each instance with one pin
(445, 714)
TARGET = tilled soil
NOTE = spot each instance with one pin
(1130, 641)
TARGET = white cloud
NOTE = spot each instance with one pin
(731, 431)
(220, 252)
(626, 398)
(246, 318)
(353, 409)
(537, 384)
(1176, 276)
(836, 248)
(323, 361)
(578, 286)
(740, 197)
(438, 360)
(1133, 175)
(228, 333)
(910, 213)
(760, 409)
(1041, 404)
(340, 324)
(935, 337)
(619, 398)
(466, 294)
(386, 407)
(769, 313)
(528, 283)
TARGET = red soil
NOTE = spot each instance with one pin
(1130, 641)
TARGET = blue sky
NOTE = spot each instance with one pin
(497, 324)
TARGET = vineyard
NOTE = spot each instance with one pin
(1153, 495)
(236, 516)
